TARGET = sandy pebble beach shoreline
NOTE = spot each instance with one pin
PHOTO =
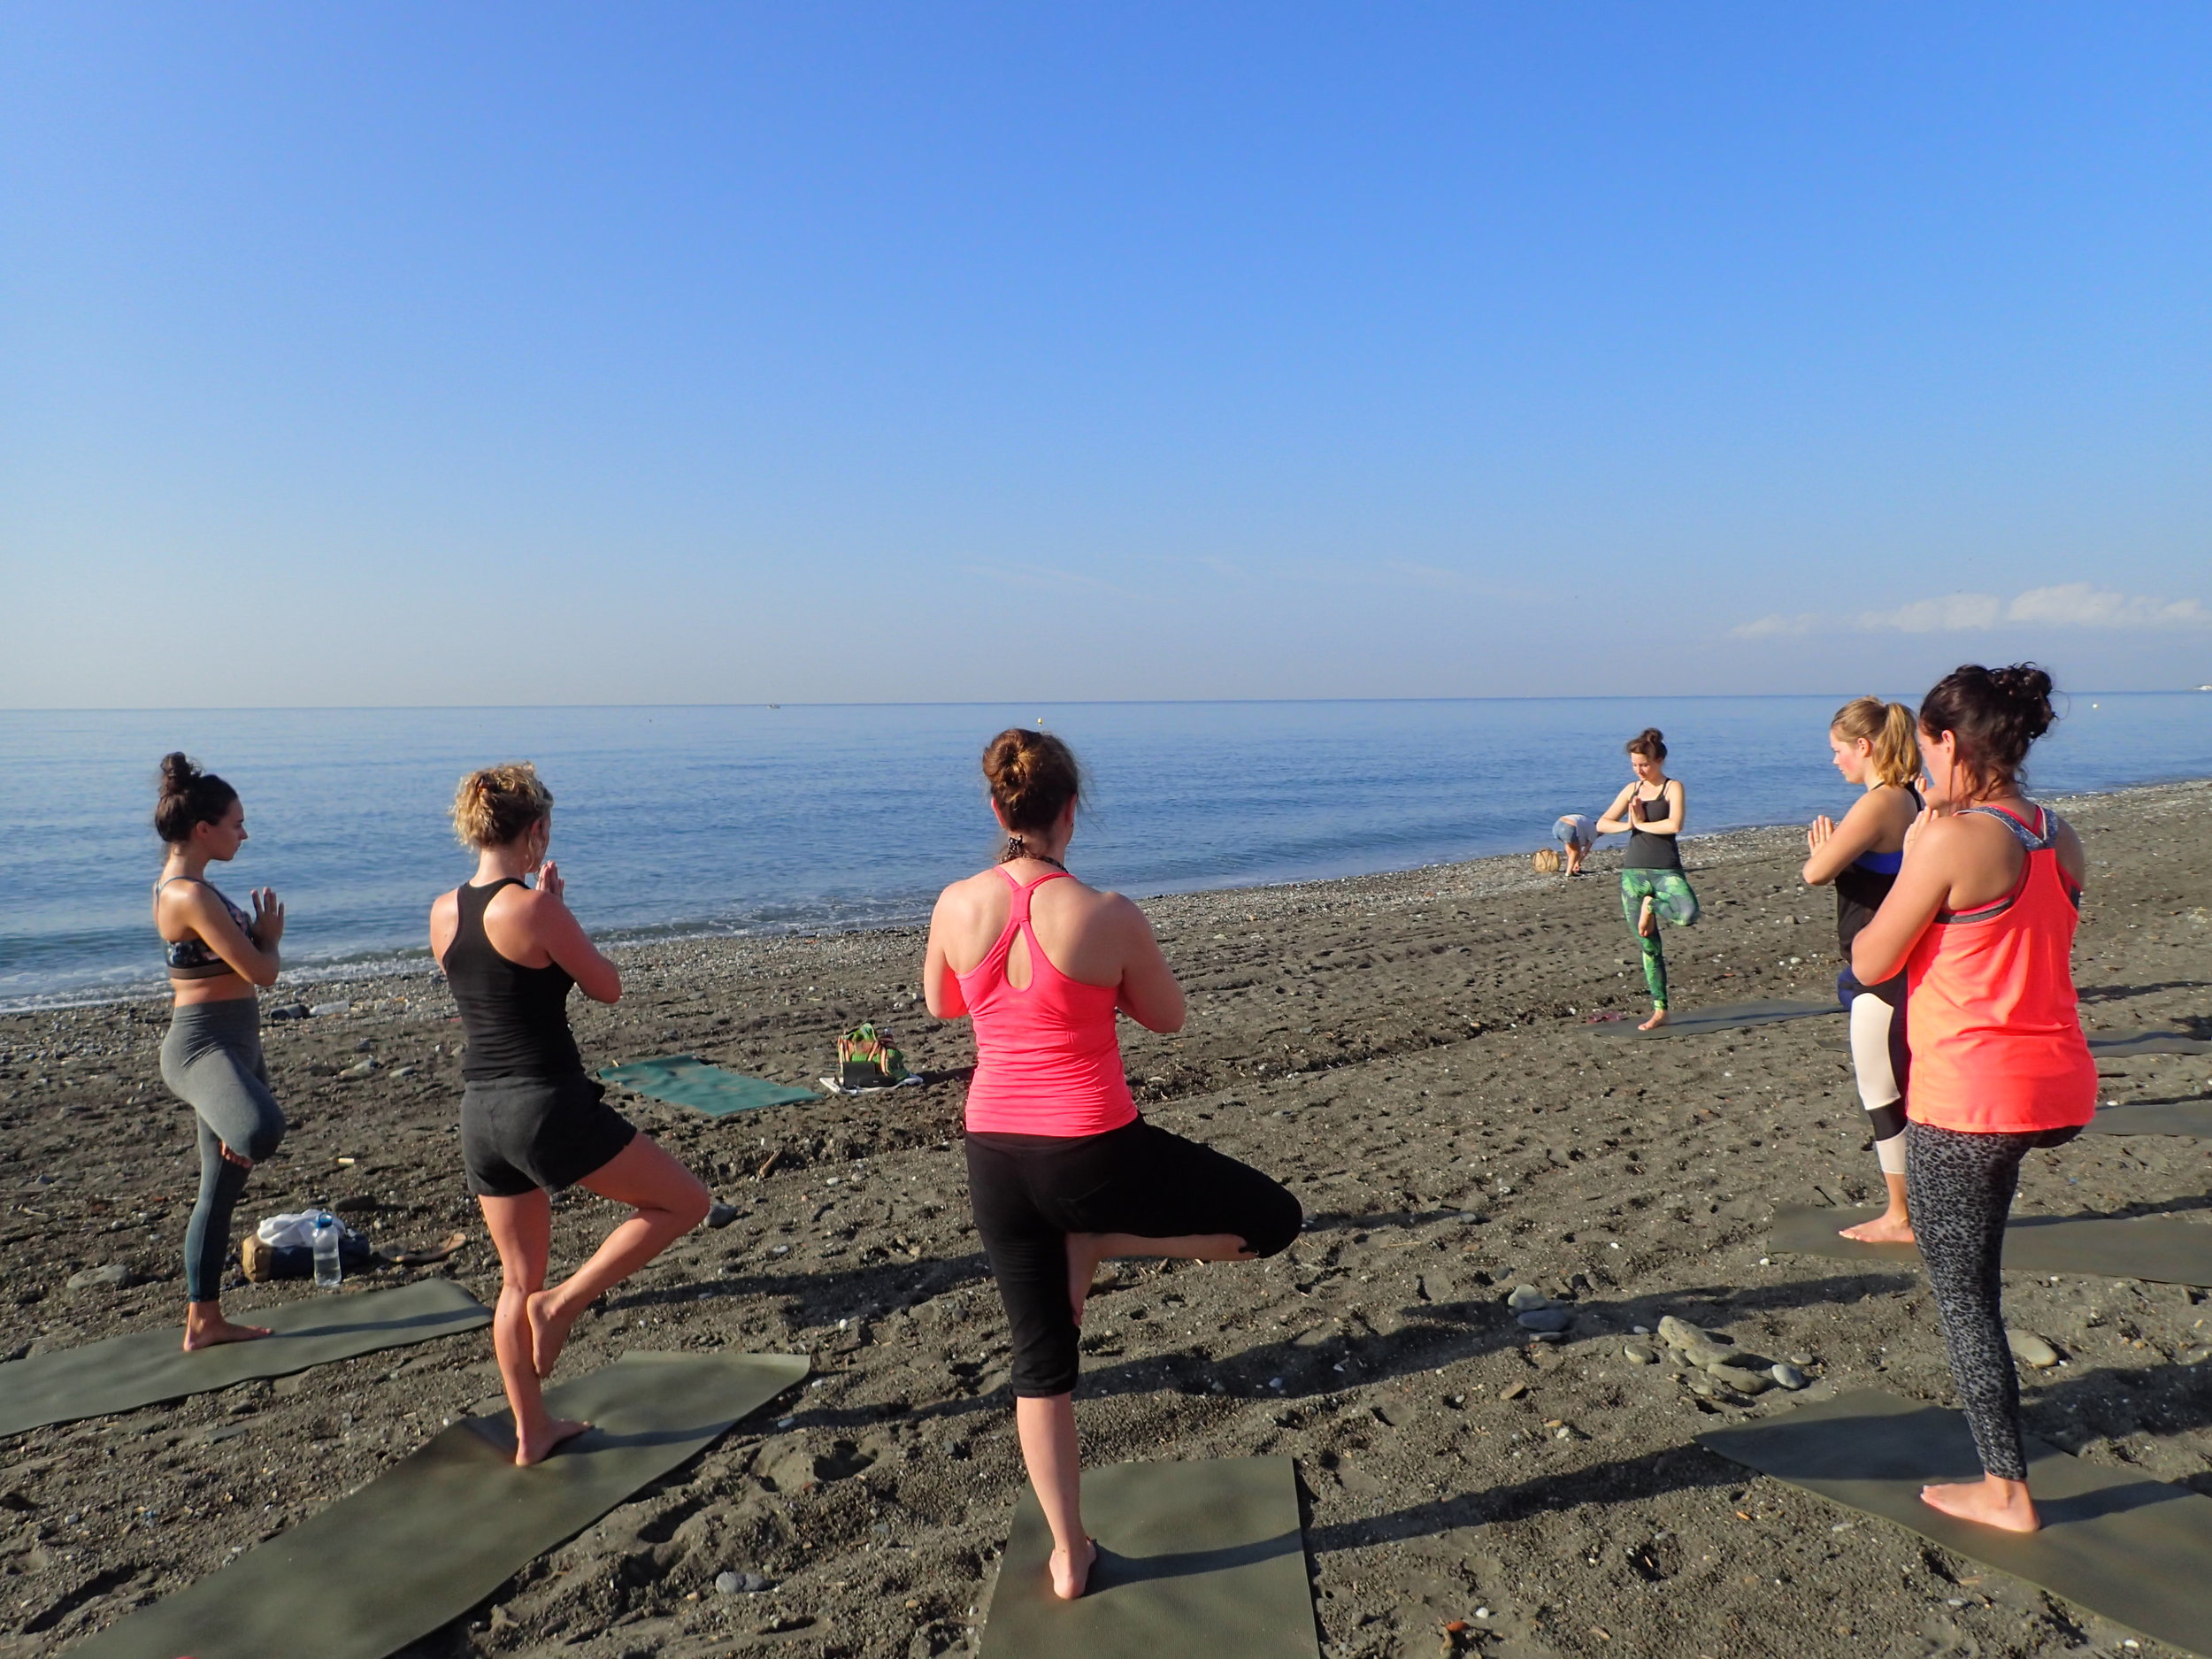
(1410, 1052)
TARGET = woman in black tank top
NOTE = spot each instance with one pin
(532, 1119)
(1653, 887)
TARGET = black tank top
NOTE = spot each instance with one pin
(1646, 851)
(1863, 884)
(516, 1018)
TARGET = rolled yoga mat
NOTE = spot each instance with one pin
(1692, 1022)
(147, 1367)
(2161, 1249)
(2126, 1547)
(2117, 1045)
(1192, 1558)
(436, 1534)
(683, 1080)
(2175, 1118)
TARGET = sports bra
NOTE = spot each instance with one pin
(1048, 1059)
(191, 957)
(1863, 884)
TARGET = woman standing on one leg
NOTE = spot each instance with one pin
(1653, 887)
(1982, 920)
(1062, 1171)
(1873, 746)
(530, 1118)
(212, 1059)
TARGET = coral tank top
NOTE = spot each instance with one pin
(1996, 1033)
(1047, 1060)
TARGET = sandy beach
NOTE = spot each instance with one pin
(1411, 1053)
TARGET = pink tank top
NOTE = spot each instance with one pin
(1047, 1060)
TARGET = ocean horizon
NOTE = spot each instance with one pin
(755, 818)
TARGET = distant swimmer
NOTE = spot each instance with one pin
(1982, 920)
(212, 1059)
(1653, 887)
(532, 1119)
(1873, 747)
(1062, 1171)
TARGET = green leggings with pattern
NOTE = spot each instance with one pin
(1672, 901)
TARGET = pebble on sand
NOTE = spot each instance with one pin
(2027, 1348)
(113, 1276)
(1638, 1354)
(1527, 1298)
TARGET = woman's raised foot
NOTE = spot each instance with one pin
(540, 1443)
(2003, 1504)
(1891, 1226)
(1645, 925)
(1071, 1576)
(550, 1324)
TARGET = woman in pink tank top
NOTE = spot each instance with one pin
(1982, 918)
(1063, 1172)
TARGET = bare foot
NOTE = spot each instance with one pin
(1083, 1259)
(213, 1330)
(537, 1446)
(1658, 1019)
(1070, 1578)
(1891, 1226)
(2003, 1504)
(548, 1330)
(1645, 926)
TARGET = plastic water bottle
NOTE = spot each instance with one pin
(328, 1275)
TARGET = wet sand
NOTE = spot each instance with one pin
(1410, 1052)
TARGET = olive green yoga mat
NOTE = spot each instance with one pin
(436, 1534)
(2175, 1118)
(2117, 1045)
(2163, 1249)
(147, 1367)
(684, 1079)
(2123, 1545)
(1692, 1022)
(1204, 1558)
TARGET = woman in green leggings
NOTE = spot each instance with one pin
(1653, 887)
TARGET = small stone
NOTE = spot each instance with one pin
(1788, 1376)
(361, 1069)
(1545, 1321)
(113, 1276)
(755, 1584)
(1527, 1298)
(1707, 1356)
(720, 1215)
(1680, 1332)
(324, 1010)
(1513, 1390)
(728, 1583)
(1637, 1354)
(1747, 1382)
(1804, 1359)
(408, 1070)
(1699, 1383)
(367, 1045)
(2027, 1348)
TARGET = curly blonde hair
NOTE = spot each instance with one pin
(495, 805)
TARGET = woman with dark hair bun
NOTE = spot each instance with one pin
(1982, 921)
(216, 955)
(1063, 1172)
(1653, 887)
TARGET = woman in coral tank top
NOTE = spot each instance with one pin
(1062, 1171)
(1982, 920)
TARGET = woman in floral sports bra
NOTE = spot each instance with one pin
(1982, 921)
(212, 1060)
(1062, 1171)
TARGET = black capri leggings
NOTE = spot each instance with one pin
(1029, 1192)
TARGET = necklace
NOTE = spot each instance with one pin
(1016, 847)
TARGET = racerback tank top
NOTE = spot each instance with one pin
(1646, 850)
(516, 1018)
(1047, 1059)
(1996, 1033)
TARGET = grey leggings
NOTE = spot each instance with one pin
(1960, 1187)
(212, 1061)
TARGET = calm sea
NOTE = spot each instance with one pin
(754, 819)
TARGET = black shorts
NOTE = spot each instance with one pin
(520, 1134)
(1030, 1192)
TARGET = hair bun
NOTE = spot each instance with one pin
(178, 773)
(185, 795)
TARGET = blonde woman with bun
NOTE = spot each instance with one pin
(1875, 746)
(532, 1119)
(1650, 809)
(217, 953)
(1063, 1172)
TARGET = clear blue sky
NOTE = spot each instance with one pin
(641, 353)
